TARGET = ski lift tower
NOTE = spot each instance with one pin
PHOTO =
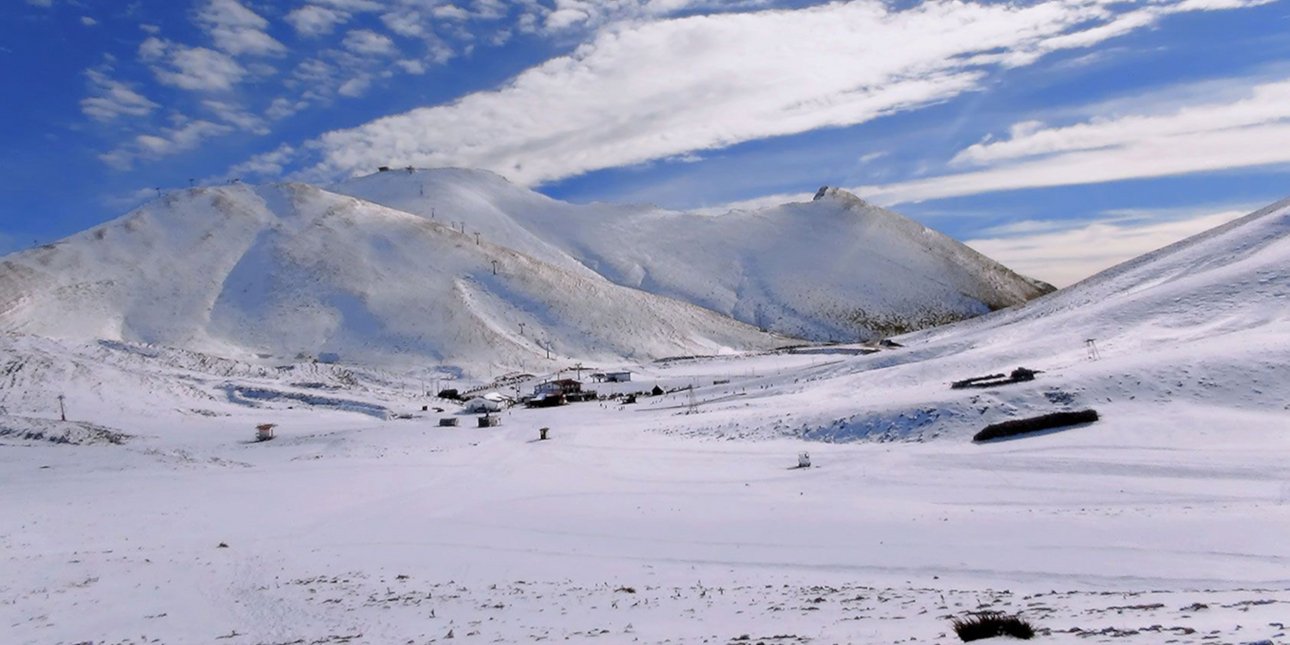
(1091, 345)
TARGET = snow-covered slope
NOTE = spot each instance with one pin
(832, 269)
(288, 270)
(1203, 324)
(1218, 284)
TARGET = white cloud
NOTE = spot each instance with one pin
(352, 6)
(313, 20)
(356, 86)
(88, 21)
(112, 99)
(566, 15)
(450, 12)
(282, 107)
(369, 43)
(269, 164)
(236, 116)
(190, 68)
(404, 23)
(411, 66)
(180, 139)
(1198, 136)
(647, 90)
(1266, 103)
(236, 29)
(1062, 253)
(184, 136)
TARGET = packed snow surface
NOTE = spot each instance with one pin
(681, 518)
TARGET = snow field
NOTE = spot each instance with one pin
(876, 543)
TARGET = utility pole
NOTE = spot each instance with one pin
(1091, 345)
(494, 265)
(62, 412)
(476, 236)
(522, 328)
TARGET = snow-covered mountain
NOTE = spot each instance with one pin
(294, 270)
(836, 268)
(462, 269)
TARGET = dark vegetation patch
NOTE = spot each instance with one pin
(1019, 375)
(989, 624)
(78, 433)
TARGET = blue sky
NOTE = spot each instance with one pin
(1058, 136)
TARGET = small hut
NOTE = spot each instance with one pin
(489, 421)
(264, 431)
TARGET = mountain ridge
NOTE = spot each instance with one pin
(749, 265)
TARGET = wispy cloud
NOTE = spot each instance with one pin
(190, 68)
(110, 99)
(652, 89)
(368, 42)
(269, 163)
(315, 20)
(1199, 135)
(165, 142)
(236, 29)
(1064, 252)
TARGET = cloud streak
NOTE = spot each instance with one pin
(236, 29)
(1248, 131)
(1065, 252)
(112, 99)
(648, 90)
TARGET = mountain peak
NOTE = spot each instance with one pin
(840, 195)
